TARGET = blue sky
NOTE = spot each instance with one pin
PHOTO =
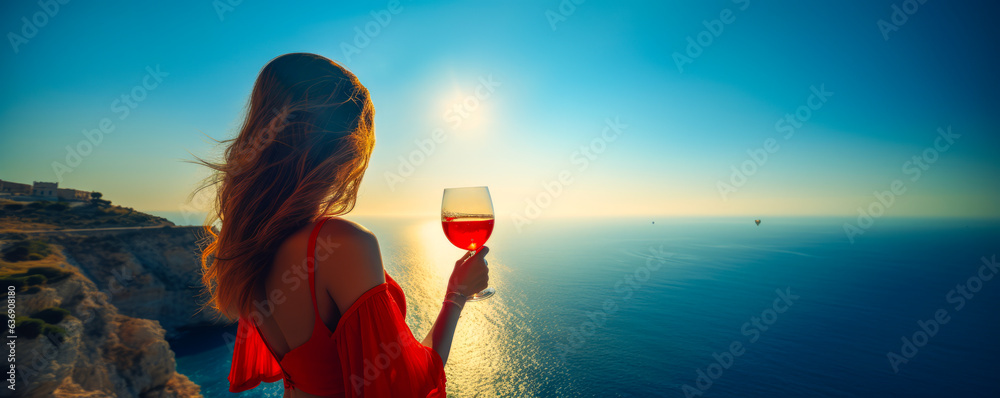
(553, 91)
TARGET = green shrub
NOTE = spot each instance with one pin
(54, 332)
(51, 315)
(15, 253)
(32, 290)
(58, 206)
(22, 250)
(48, 272)
(36, 205)
(13, 206)
(33, 277)
(40, 247)
(52, 274)
(18, 283)
(29, 328)
(35, 257)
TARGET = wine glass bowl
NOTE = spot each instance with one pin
(467, 220)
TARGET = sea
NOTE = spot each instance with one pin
(692, 307)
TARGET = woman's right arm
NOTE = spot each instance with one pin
(353, 244)
(470, 276)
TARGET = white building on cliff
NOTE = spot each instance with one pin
(41, 191)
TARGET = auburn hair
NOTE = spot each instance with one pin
(300, 154)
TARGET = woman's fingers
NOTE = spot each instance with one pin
(471, 272)
(476, 256)
(481, 254)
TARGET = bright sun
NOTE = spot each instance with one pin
(466, 108)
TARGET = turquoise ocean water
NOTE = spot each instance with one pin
(700, 307)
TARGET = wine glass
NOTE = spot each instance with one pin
(467, 219)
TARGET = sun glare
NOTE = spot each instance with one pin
(466, 107)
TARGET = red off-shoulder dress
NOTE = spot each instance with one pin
(371, 352)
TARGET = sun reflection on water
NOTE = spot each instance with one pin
(493, 353)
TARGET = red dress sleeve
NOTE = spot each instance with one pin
(379, 355)
(252, 361)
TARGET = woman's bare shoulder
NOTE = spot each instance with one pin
(348, 260)
(341, 228)
(339, 238)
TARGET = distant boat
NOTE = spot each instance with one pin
(757, 221)
(654, 222)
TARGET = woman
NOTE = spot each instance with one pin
(315, 306)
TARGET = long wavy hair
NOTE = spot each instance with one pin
(301, 153)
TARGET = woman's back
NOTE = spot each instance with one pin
(330, 351)
(287, 289)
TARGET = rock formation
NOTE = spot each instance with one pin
(102, 353)
(147, 273)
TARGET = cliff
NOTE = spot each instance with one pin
(100, 288)
(148, 267)
(147, 273)
(94, 351)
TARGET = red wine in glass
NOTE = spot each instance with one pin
(469, 233)
(467, 220)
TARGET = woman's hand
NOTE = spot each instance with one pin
(471, 274)
(469, 277)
